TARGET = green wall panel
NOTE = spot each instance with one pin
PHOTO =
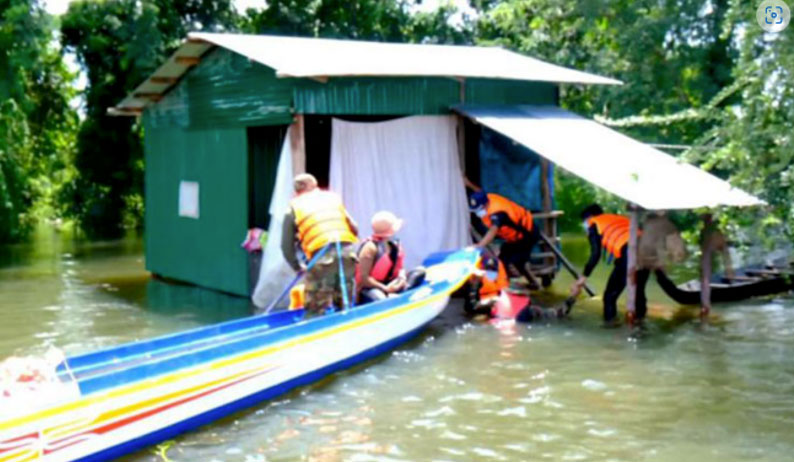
(491, 91)
(204, 251)
(225, 90)
(368, 96)
(371, 96)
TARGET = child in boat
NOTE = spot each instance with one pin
(381, 272)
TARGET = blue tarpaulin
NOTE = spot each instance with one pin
(512, 170)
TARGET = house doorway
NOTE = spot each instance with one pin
(264, 147)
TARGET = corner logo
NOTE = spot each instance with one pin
(773, 15)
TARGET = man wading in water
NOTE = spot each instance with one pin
(658, 241)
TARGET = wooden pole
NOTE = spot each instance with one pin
(461, 135)
(631, 263)
(461, 127)
(545, 192)
(297, 145)
(705, 266)
(544, 188)
(567, 264)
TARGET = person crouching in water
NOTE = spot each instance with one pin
(488, 288)
(489, 295)
(381, 271)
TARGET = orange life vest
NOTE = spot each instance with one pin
(614, 232)
(297, 297)
(321, 220)
(492, 287)
(520, 216)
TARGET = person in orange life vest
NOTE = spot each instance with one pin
(381, 269)
(316, 221)
(487, 287)
(511, 223)
(611, 232)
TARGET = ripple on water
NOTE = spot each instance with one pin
(450, 435)
(593, 385)
(518, 411)
(441, 412)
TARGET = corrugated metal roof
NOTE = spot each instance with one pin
(323, 58)
(617, 163)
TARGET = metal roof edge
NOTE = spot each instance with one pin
(197, 44)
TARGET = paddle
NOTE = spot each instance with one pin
(297, 278)
(567, 264)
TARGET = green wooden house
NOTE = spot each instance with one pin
(216, 112)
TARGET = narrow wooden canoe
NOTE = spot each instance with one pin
(751, 281)
(138, 394)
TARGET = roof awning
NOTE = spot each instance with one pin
(617, 163)
(320, 59)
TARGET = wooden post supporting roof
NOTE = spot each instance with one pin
(460, 131)
(298, 144)
(631, 264)
(705, 266)
(549, 224)
(461, 128)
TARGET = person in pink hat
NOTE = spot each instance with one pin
(381, 269)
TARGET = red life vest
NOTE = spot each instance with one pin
(521, 217)
(388, 261)
(614, 232)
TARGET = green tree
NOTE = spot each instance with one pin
(379, 20)
(16, 159)
(119, 43)
(362, 19)
(671, 55)
(752, 142)
(35, 119)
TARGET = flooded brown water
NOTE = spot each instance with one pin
(678, 391)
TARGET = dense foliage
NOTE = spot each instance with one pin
(36, 122)
(697, 73)
(119, 43)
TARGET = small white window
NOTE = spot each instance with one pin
(189, 199)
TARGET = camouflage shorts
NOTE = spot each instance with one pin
(323, 282)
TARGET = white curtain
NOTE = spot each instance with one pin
(275, 273)
(410, 167)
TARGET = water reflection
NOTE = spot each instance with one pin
(201, 305)
(80, 296)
